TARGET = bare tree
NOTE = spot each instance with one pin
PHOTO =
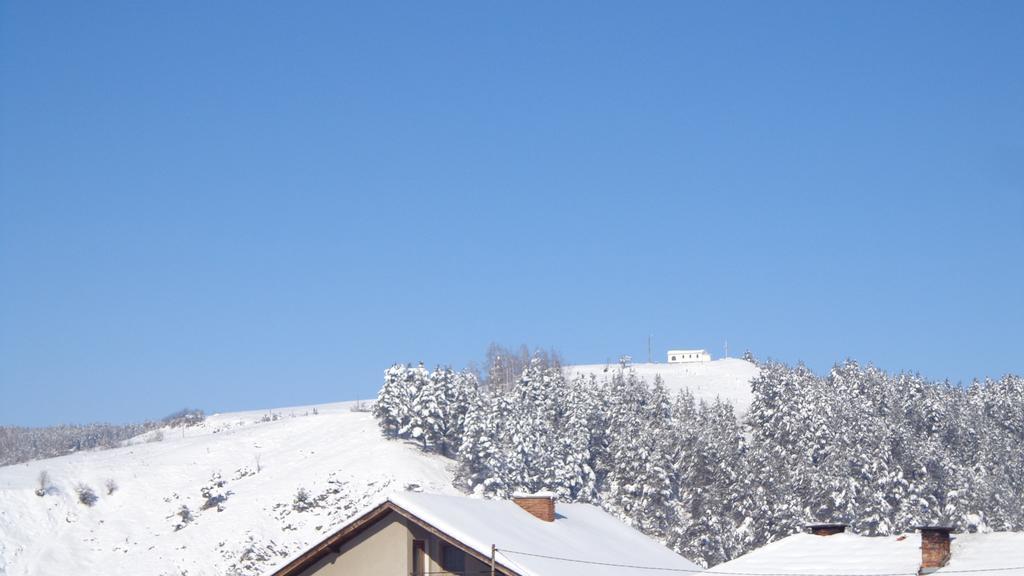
(505, 366)
(45, 486)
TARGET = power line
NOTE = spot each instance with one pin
(594, 562)
(512, 560)
(711, 571)
(449, 572)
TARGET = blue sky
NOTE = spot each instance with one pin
(238, 205)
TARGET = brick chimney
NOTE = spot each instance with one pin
(934, 548)
(826, 529)
(541, 504)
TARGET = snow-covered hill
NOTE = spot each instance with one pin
(259, 461)
(728, 378)
(338, 456)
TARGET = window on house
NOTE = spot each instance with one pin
(452, 559)
(418, 557)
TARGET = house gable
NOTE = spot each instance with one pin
(372, 550)
(371, 544)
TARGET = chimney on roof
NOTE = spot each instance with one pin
(934, 548)
(541, 504)
(826, 529)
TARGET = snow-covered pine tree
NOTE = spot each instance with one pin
(392, 401)
(570, 467)
(460, 395)
(482, 465)
(529, 435)
(631, 445)
(421, 403)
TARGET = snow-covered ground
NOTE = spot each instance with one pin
(728, 378)
(338, 456)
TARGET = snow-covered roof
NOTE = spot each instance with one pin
(579, 532)
(852, 554)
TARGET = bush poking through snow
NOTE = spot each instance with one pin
(255, 556)
(243, 472)
(214, 493)
(45, 486)
(185, 514)
(302, 501)
(86, 495)
(157, 436)
(111, 486)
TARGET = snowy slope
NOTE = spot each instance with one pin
(337, 455)
(728, 378)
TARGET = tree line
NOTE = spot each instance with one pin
(21, 444)
(882, 452)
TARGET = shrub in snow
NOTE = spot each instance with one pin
(302, 501)
(185, 514)
(214, 493)
(44, 484)
(111, 486)
(243, 472)
(157, 436)
(255, 556)
(86, 495)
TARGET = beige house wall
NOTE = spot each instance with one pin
(377, 551)
(385, 549)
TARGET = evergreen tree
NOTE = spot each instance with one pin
(392, 401)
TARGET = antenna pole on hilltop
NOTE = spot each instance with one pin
(726, 347)
(649, 348)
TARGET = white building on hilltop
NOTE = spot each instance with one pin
(687, 356)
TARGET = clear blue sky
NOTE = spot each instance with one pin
(249, 205)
